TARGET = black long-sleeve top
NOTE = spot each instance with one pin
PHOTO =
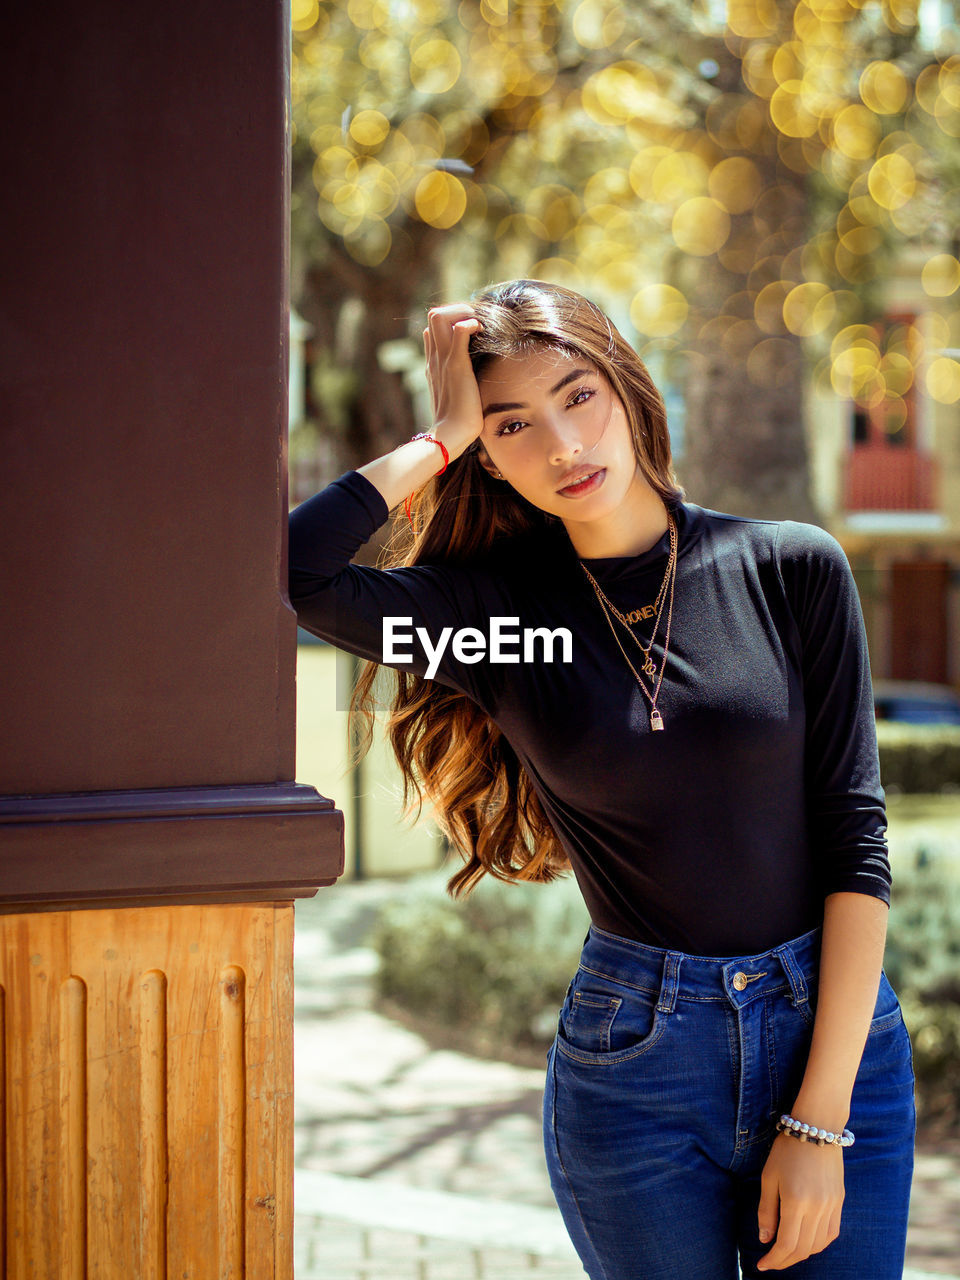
(720, 835)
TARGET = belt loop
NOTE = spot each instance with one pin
(669, 982)
(798, 984)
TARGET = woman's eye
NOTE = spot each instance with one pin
(508, 428)
(581, 396)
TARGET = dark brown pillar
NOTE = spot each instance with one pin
(151, 833)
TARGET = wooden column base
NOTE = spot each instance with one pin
(146, 1074)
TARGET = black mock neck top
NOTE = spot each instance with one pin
(722, 834)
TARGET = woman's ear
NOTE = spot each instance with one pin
(484, 459)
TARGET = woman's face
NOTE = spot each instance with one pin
(559, 433)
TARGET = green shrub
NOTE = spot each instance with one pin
(922, 959)
(494, 969)
(919, 758)
(496, 965)
(935, 1034)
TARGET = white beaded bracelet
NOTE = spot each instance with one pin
(810, 1133)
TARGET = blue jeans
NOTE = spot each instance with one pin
(664, 1084)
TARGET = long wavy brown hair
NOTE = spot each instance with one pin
(449, 751)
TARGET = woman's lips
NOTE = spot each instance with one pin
(584, 486)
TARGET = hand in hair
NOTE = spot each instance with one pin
(457, 411)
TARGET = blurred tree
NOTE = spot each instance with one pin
(726, 189)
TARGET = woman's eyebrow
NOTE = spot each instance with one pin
(570, 377)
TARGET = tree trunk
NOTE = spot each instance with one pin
(746, 449)
(354, 310)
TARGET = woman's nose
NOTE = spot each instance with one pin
(565, 442)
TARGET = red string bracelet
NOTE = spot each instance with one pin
(425, 435)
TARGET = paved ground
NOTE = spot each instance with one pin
(375, 1102)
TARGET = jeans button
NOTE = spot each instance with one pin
(740, 981)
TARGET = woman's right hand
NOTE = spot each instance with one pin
(457, 411)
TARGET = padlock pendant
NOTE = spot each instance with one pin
(656, 719)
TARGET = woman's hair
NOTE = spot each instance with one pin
(449, 751)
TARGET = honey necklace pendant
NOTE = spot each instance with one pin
(656, 719)
(648, 668)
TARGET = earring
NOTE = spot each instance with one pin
(499, 475)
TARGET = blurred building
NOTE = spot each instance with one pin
(888, 487)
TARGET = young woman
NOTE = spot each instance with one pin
(594, 672)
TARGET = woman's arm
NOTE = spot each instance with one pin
(802, 1184)
(404, 617)
(457, 411)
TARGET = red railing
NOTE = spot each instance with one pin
(883, 477)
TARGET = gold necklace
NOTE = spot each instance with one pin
(626, 620)
(649, 668)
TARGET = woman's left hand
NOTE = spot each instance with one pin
(801, 1194)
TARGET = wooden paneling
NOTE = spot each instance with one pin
(147, 1093)
(918, 620)
(148, 848)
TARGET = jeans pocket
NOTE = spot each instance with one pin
(598, 1025)
(587, 1020)
(886, 1012)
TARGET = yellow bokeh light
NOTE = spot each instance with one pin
(370, 244)
(865, 210)
(559, 271)
(941, 275)
(757, 69)
(790, 114)
(808, 309)
(369, 128)
(900, 15)
(768, 360)
(625, 91)
(425, 136)
(598, 23)
(335, 160)
(787, 62)
(894, 412)
(658, 310)
(898, 372)
(556, 207)
(679, 176)
(642, 168)
(884, 88)
(735, 183)
(768, 307)
(700, 226)
(949, 80)
(947, 116)
(606, 186)
(520, 226)
(368, 15)
(303, 14)
(440, 200)
(943, 380)
(856, 132)
(927, 87)
(861, 241)
(738, 341)
(852, 335)
(892, 180)
(752, 18)
(495, 13)
(434, 66)
(823, 84)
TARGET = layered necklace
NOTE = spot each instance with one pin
(664, 595)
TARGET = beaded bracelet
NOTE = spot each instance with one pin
(425, 435)
(810, 1133)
